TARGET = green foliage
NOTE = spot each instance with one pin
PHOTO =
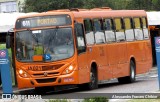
(57, 100)
(96, 99)
(46, 5)
(144, 100)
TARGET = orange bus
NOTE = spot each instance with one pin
(66, 48)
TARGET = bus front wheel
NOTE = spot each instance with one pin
(93, 84)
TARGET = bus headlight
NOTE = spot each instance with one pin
(68, 70)
(22, 73)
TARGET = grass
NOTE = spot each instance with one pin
(144, 100)
(96, 99)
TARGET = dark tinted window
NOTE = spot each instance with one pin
(120, 36)
(138, 29)
(128, 29)
(99, 33)
(89, 31)
(109, 30)
(145, 28)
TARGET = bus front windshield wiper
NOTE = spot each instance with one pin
(33, 35)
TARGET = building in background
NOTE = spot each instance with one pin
(8, 6)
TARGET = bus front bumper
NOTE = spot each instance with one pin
(68, 79)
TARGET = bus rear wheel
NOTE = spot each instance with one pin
(131, 77)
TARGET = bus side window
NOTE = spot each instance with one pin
(89, 31)
(80, 38)
(120, 36)
(109, 30)
(138, 29)
(99, 33)
(145, 28)
(129, 29)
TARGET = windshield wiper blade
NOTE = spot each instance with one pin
(34, 37)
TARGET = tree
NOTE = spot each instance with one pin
(156, 4)
(45, 5)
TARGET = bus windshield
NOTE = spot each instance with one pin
(56, 43)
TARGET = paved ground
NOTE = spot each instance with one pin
(145, 83)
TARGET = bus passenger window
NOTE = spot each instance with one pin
(89, 31)
(129, 29)
(98, 28)
(138, 29)
(80, 38)
(119, 30)
(109, 31)
(145, 28)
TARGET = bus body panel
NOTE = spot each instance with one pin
(83, 68)
(99, 57)
(122, 59)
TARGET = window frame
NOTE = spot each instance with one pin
(146, 27)
(138, 28)
(113, 29)
(83, 33)
(92, 30)
(131, 27)
(122, 28)
(101, 29)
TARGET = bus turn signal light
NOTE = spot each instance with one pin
(68, 70)
(23, 74)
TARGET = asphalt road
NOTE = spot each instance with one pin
(145, 83)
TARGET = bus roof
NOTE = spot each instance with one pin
(109, 13)
(92, 13)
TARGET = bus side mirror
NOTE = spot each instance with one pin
(8, 41)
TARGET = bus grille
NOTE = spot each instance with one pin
(42, 74)
(46, 80)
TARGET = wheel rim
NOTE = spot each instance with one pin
(93, 79)
(132, 72)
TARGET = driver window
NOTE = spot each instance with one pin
(80, 38)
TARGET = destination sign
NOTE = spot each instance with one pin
(41, 21)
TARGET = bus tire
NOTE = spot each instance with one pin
(131, 77)
(93, 84)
